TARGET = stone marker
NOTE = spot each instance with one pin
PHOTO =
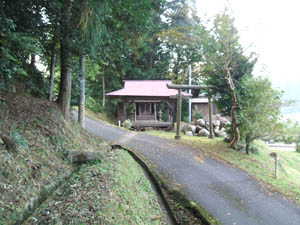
(75, 156)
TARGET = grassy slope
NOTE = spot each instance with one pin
(260, 166)
(43, 139)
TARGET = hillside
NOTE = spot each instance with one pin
(39, 185)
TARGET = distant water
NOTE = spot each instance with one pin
(292, 116)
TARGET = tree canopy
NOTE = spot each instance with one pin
(89, 47)
(259, 113)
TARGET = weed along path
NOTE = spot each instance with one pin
(230, 195)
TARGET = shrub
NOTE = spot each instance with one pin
(127, 124)
(186, 119)
(198, 114)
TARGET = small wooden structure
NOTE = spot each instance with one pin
(140, 101)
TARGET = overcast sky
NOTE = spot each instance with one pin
(273, 27)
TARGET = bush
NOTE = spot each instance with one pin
(127, 124)
(94, 105)
(186, 119)
(292, 133)
(198, 114)
(298, 145)
(254, 149)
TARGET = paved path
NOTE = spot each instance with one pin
(230, 195)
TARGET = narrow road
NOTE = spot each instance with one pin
(230, 195)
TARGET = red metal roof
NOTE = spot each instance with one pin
(150, 88)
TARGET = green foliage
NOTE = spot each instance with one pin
(94, 105)
(21, 26)
(184, 111)
(127, 124)
(224, 53)
(17, 137)
(178, 36)
(292, 133)
(121, 38)
(259, 112)
(13, 46)
(198, 114)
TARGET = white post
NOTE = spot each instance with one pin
(190, 92)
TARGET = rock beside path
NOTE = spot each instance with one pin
(189, 133)
(75, 156)
(201, 127)
(203, 133)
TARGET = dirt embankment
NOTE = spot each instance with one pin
(36, 163)
(34, 144)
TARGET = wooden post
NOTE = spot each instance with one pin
(276, 165)
(178, 115)
(211, 134)
(276, 157)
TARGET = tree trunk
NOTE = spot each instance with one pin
(32, 60)
(66, 61)
(103, 89)
(179, 107)
(247, 144)
(247, 148)
(52, 70)
(81, 113)
(234, 121)
(150, 61)
(297, 147)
